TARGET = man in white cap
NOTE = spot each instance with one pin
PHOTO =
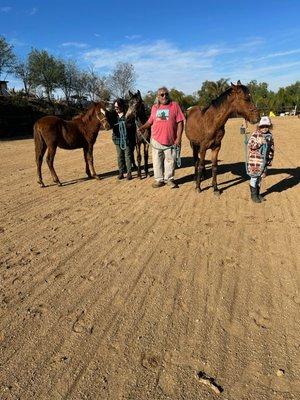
(259, 156)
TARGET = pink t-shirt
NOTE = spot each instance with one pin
(164, 119)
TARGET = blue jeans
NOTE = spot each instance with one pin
(254, 182)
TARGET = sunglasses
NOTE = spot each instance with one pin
(164, 94)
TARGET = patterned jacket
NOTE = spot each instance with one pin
(260, 152)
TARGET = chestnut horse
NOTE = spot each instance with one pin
(81, 132)
(205, 128)
(136, 110)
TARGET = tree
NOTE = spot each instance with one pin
(149, 99)
(67, 78)
(97, 87)
(122, 79)
(293, 92)
(80, 86)
(7, 57)
(260, 94)
(185, 101)
(210, 90)
(46, 71)
(22, 71)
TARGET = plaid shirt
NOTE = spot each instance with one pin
(130, 132)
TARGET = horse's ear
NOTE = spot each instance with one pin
(139, 93)
(130, 94)
(239, 82)
(232, 84)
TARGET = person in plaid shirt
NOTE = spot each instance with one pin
(125, 145)
(260, 151)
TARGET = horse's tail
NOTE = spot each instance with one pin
(39, 142)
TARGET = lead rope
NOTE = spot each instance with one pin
(175, 147)
(123, 134)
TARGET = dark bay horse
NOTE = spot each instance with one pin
(51, 132)
(136, 110)
(205, 128)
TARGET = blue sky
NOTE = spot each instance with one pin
(173, 43)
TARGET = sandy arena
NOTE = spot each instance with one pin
(115, 290)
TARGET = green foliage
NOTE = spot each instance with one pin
(266, 100)
(210, 90)
(22, 71)
(285, 99)
(67, 78)
(7, 57)
(185, 101)
(46, 71)
(149, 99)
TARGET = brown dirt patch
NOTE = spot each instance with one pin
(114, 290)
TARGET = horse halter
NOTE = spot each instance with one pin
(103, 119)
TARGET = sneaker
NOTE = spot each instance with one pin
(172, 184)
(129, 176)
(158, 184)
(121, 176)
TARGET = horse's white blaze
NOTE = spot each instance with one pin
(103, 112)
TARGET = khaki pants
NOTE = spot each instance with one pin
(163, 158)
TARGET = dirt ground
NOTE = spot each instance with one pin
(115, 290)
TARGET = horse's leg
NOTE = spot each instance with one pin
(201, 166)
(146, 157)
(90, 160)
(40, 149)
(139, 159)
(214, 168)
(87, 168)
(195, 149)
(133, 164)
(50, 160)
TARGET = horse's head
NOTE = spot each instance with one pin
(101, 115)
(135, 104)
(242, 102)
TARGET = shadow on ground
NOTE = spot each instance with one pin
(238, 169)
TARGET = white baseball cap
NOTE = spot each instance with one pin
(265, 121)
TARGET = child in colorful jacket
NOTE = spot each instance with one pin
(260, 155)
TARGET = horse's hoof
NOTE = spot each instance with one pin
(59, 184)
(217, 193)
(42, 185)
(97, 177)
(198, 190)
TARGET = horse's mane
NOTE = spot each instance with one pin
(216, 103)
(84, 116)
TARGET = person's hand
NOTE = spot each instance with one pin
(261, 140)
(177, 142)
(141, 130)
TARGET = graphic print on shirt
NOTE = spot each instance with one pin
(162, 114)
